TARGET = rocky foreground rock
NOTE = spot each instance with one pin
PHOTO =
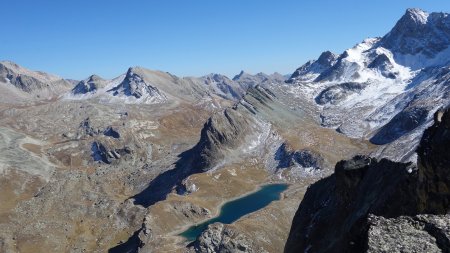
(223, 238)
(381, 206)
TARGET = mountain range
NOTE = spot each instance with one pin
(126, 164)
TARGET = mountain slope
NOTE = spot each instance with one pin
(23, 85)
(363, 188)
(89, 85)
(383, 89)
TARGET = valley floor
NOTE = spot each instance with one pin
(57, 198)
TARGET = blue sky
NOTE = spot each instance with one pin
(74, 39)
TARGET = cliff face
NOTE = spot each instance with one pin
(221, 131)
(333, 216)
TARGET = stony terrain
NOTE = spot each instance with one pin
(372, 204)
(90, 165)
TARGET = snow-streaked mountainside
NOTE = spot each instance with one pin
(384, 89)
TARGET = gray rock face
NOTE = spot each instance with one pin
(421, 233)
(303, 158)
(226, 87)
(221, 131)
(340, 68)
(419, 32)
(383, 64)
(364, 186)
(33, 82)
(92, 84)
(25, 83)
(401, 124)
(325, 61)
(135, 86)
(220, 238)
(247, 80)
(102, 153)
(338, 92)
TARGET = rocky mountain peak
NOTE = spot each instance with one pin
(89, 85)
(415, 15)
(419, 32)
(134, 85)
(216, 77)
(130, 72)
(240, 75)
(327, 58)
(223, 86)
(94, 78)
(312, 69)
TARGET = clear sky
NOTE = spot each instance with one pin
(77, 38)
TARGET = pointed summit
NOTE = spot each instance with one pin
(312, 69)
(94, 78)
(89, 85)
(418, 32)
(326, 59)
(240, 75)
(415, 15)
(134, 86)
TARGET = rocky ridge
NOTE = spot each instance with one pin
(20, 85)
(364, 186)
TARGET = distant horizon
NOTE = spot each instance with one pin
(159, 70)
(75, 40)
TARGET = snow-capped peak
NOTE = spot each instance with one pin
(384, 88)
(417, 15)
(136, 90)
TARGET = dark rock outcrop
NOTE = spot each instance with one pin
(324, 62)
(86, 129)
(333, 216)
(304, 158)
(336, 93)
(401, 124)
(92, 84)
(111, 132)
(99, 152)
(102, 153)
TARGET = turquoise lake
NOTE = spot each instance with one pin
(233, 210)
